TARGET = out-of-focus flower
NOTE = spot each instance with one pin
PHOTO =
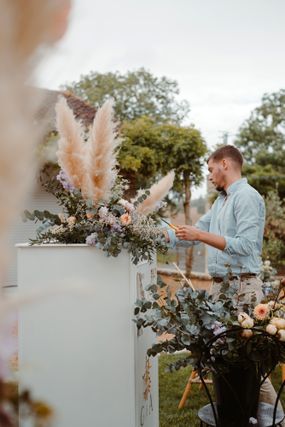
(89, 215)
(261, 311)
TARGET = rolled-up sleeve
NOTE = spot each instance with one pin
(249, 212)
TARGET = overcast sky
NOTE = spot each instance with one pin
(225, 54)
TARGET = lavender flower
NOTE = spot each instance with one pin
(91, 240)
(116, 227)
(63, 179)
(218, 328)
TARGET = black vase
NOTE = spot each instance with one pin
(237, 394)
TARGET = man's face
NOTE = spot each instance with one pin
(217, 174)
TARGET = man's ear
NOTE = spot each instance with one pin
(225, 164)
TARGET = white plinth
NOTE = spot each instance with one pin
(82, 354)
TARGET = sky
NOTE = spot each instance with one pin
(224, 54)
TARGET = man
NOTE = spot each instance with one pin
(233, 230)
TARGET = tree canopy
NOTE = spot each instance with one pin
(262, 141)
(135, 93)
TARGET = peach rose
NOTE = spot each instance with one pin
(126, 219)
(261, 311)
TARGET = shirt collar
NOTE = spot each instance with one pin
(235, 185)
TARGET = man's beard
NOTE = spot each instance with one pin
(220, 189)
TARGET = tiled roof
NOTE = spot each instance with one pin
(46, 111)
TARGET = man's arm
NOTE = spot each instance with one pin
(249, 211)
(202, 224)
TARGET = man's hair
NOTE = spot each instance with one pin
(229, 152)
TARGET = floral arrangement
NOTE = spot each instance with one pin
(217, 333)
(91, 193)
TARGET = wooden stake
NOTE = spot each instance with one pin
(184, 277)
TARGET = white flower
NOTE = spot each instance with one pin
(242, 316)
(267, 263)
(281, 335)
(278, 322)
(103, 212)
(271, 329)
(247, 323)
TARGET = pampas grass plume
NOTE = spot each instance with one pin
(157, 192)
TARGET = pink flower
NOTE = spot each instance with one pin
(261, 311)
(126, 219)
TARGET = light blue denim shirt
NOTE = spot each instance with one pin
(238, 216)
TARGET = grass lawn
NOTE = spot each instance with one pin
(171, 387)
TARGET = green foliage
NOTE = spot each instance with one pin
(136, 93)
(274, 233)
(262, 141)
(150, 149)
(209, 329)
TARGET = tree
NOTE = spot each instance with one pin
(136, 93)
(274, 233)
(167, 147)
(262, 141)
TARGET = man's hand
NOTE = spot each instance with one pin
(187, 232)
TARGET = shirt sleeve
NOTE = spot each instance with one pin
(249, 213)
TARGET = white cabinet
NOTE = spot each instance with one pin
(80, 352)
